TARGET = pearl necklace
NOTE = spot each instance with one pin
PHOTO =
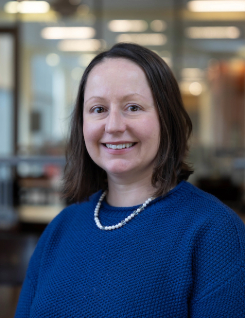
(123, 222)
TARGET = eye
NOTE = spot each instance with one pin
(134, 108)
(98, 110)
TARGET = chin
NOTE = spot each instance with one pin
(118, 169)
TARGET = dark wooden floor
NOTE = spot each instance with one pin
(8, 300)
(15, 251)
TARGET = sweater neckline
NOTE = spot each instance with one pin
(109, 207)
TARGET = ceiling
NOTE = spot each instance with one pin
(194, 52)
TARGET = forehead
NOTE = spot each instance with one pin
(110, 64)
(117, 74)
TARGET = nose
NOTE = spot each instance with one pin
(115, 122)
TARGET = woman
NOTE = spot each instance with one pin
(141, 241)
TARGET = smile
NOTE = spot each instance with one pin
(120, 146)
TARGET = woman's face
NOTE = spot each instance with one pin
(121, 126)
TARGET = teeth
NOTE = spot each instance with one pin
(121, 146)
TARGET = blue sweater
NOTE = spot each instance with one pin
(183, 256)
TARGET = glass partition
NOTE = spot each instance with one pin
(6, 94)
(204, 48)
(7, 214)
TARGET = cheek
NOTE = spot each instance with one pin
(152, 138)
(92, 134)
(86, 131)
(88, 138)
(151, 132)
(89, 141)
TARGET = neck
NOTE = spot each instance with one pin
(129, 193)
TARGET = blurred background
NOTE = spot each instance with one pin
(44, 49)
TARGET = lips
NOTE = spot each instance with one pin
(119, 145)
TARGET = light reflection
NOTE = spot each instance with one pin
(27, 7)
(68, 32)
(127, 25)
(192, 73)
(195, 88)
(216, 6)
(80, 45)
(143, 39)
(158, 25)
(230, 32)
(191, 88)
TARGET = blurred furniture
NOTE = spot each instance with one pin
(33, 198)
(34, 219)
(222, 188)
(15, 252)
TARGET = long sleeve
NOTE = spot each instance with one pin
(219, 268)
(226, 301)
(46, 244)
(25, 300)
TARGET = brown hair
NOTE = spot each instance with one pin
(83, 177)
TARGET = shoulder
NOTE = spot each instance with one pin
(59, 229)
(217, 240)
(191, 192)
(207, 223)
(194, 201)
(219, 232)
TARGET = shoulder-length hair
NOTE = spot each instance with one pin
(83, 177)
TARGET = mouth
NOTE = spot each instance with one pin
(120, 146)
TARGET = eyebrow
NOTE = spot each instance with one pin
(124, 97)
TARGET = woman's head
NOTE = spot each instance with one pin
(173, 126)
(121, 125)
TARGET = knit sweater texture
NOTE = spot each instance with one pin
(183, 256)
